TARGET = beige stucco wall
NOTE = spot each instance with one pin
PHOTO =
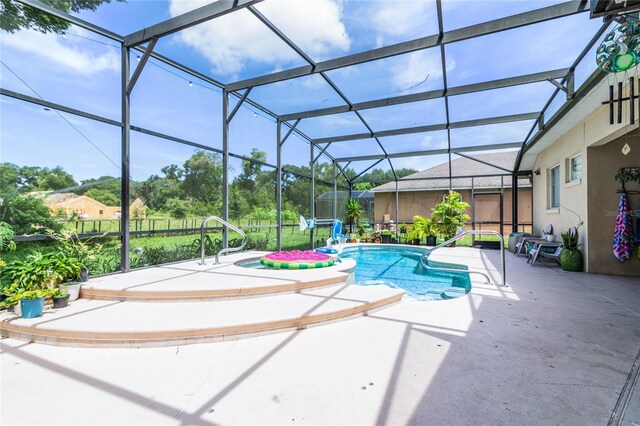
(604, 162)
(412, 203)
(593, 131)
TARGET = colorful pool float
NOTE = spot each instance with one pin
(297, 259)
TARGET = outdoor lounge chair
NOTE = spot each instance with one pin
(520, 245)
(548, 250)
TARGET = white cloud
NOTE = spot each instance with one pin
(404, 18)
(233, 41)
(64, 53)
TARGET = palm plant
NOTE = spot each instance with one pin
(354, 211)
(449, 215)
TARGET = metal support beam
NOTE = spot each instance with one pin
(186, 20)
(438, 178)
(558, 85)
(312, 195)
(485, 28)
(239, 104)
(397, 208)
(433, 152)
(279, 187)
(433, 94)
(291, 129)
(367, 169)
(335, 190)
(225, 167)
(514, 203)
(143, 61)
(432, 128)
(125, 174)
(58, 107)
(570, 82)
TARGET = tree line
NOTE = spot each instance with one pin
(193, 188)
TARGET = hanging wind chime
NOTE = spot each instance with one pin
(618, 52)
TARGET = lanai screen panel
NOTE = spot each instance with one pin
(251, 130)
(458, 14)
(332, 125)
(502, 133)
(299, 94)
(415, 142)
(394, 76)
(78, 69)
(498, 162)
(433, 168)
(534, 48)
(187, 107)
(229, 48)
(412, 114)
(499, 102)
(356, 148)
(327, 29)
(295, 151)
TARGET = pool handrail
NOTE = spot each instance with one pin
(425, 261)
(224, 250)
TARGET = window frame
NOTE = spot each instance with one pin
(551, 185)
(570, 175)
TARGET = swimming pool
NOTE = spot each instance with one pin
(399, 267)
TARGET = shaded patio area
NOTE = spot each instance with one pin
(553, 347)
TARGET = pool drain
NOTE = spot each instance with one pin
(625, 395)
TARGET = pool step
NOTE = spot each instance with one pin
(88, 291)
(190, 282)
(95, 323)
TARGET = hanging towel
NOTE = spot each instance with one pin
(623, 235)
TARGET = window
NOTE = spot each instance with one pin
(554, 187)
(575, 167)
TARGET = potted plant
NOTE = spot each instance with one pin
(69, 244)
(386, 236)
(421, 228)
(353, 212)
(60, 298)
(449, 215)
(32, 303)
(570, 255)
(13, 299)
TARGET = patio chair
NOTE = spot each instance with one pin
(547, 250)
(524, 239)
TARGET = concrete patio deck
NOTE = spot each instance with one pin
(552, 348)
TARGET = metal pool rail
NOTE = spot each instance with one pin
(425, 261)
(224, 250)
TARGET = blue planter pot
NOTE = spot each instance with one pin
(32, 308)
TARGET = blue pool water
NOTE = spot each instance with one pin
(400, 267)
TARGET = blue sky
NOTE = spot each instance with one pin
(81, 70)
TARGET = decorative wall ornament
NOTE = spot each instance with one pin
(619, 99)
(620, 49)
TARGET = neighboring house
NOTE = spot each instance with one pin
(574, 162)
(420, 192)
(87, 208)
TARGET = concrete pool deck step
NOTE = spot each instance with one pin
(189, 281)
(93, 323)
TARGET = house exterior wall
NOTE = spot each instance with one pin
(85, 205)
(590, 196)
(604, 162)
(96, 210)
(412, 203)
